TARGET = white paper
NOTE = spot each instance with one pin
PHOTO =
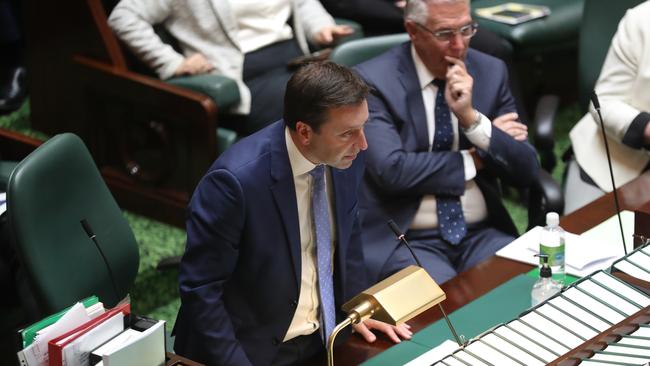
(632, 270)
(567, 321)
(462, 355)
(593, 305)
(539, 337)
(616, 358)
(430, 357)
(525, 343)
(77, 352)
(628, 350)
(489, 354)
(593, 250)
(621, 288)
(37, 352)
(608, 297)
(578, 313)
(642, 332)
(552, 330)
(511, 350)
(146, 350)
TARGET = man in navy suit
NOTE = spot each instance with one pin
(443, 127)
(273, 233)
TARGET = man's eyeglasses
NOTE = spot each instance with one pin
(446, 35)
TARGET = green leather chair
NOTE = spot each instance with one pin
(544, 196)
(49, 193)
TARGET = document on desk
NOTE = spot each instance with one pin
(430, 357)
(36, 354)
(593, 250)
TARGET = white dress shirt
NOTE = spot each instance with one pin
(306, 318)
(261, 23)
(473, 202)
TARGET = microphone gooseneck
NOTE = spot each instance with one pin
(400, 236)
(91, 234)
(596, 103)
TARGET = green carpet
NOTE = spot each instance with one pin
(155, 293)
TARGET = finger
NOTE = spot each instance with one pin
(326, 35)
(456, 62)
(365, 333)
(342, 30)
(512, 116)
(388, 330)
(403, 332)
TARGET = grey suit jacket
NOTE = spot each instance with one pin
(205, 26)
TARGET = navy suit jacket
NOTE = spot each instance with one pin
(240, 274)
(399, 168)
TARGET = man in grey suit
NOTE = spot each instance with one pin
(248, 41)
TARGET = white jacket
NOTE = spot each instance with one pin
(205, 26)
(623, 90)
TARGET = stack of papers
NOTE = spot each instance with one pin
(595, 249)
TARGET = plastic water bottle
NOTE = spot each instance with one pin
(545, 286)
(552, 245)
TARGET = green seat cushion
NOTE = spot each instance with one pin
(559, 28)
(222, 90)
(357, 51)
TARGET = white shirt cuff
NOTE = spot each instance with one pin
(468, 163)
(480, 136)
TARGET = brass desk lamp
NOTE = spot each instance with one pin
(394, 300)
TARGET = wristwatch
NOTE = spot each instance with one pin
(474, 124)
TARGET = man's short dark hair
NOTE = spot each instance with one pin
(317, 87)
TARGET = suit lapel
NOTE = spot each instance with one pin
(409, 80)
(284, 195)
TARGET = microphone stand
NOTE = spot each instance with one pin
(400, 236)
(596, 103)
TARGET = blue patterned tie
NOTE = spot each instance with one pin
(450, 213)
(320, 215)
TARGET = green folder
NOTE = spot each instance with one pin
(27, 334)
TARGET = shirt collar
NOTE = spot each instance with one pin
(425, 77)
(299, 164)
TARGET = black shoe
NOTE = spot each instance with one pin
(12, 88)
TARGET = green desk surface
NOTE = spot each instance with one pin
(500, 305)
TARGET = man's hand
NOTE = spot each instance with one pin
(458, 91)
(393, 332)
(193, 65)
(328, 34)
(510, 125)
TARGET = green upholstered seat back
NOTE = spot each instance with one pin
(357, 51)
(49, 192)
(599, 23)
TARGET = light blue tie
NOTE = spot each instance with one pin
(320, 215)
(451, 220)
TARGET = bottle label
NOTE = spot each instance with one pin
(555, 255)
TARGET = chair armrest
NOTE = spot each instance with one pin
(545, 196)
(182, 109)
(543, 123)
(223, 91)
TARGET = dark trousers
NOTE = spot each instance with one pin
(442, 260)
(299, 350)
(266, 75)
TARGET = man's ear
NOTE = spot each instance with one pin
(304, 132)
(411, 28)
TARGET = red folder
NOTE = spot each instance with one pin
(55, 346)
